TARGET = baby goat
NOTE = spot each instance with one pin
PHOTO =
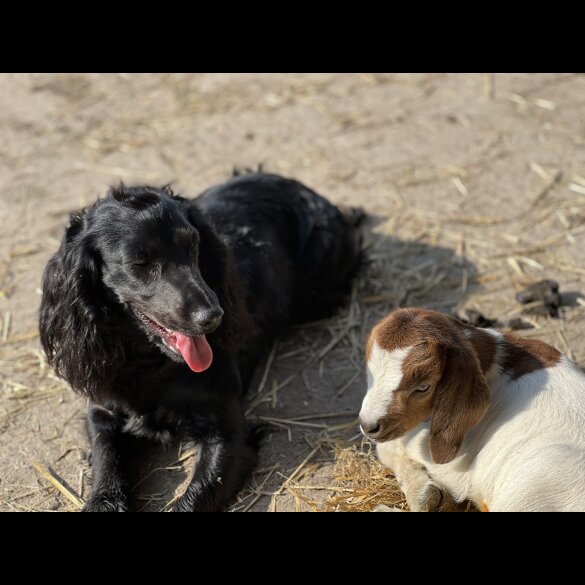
(482, 415)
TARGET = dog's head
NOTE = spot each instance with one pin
(150, 245)
(156, 257)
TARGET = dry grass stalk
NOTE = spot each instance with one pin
(266, 369)
(6, 327)
(348, 383)
(295, 473)
(258, 490)
(536, 168)
(489, 85)
(44, 472)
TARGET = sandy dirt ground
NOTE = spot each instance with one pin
(473, 186)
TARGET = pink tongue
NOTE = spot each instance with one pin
(195, 350)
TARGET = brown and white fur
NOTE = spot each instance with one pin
(481, 415)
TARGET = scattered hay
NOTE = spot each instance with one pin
(364, 482)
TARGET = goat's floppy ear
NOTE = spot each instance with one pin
(72, 313)
(462, 398)
(217, 267)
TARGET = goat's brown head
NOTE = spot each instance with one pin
(421, 366)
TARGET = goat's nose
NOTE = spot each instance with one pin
(370, 428)
(209, 319)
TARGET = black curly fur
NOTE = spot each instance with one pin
(264, 250)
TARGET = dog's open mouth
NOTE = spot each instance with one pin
(195, 350)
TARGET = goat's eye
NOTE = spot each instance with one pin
(423, 388)
(141, 261)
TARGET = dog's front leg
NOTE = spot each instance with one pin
(228, 453)
(110, 489)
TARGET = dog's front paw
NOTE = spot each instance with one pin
(111, 501)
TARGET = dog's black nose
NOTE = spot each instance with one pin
(209, 319)
(370, 429)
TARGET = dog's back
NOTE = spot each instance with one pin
(285, 236)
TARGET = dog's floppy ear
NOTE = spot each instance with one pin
(217, 267)
(462, 398)
(73, 313)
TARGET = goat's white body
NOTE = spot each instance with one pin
(526, 454)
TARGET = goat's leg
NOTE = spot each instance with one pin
(422, 493)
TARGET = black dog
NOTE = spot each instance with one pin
(158, 308)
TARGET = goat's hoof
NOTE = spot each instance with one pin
(384, 508)
(431, 498)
